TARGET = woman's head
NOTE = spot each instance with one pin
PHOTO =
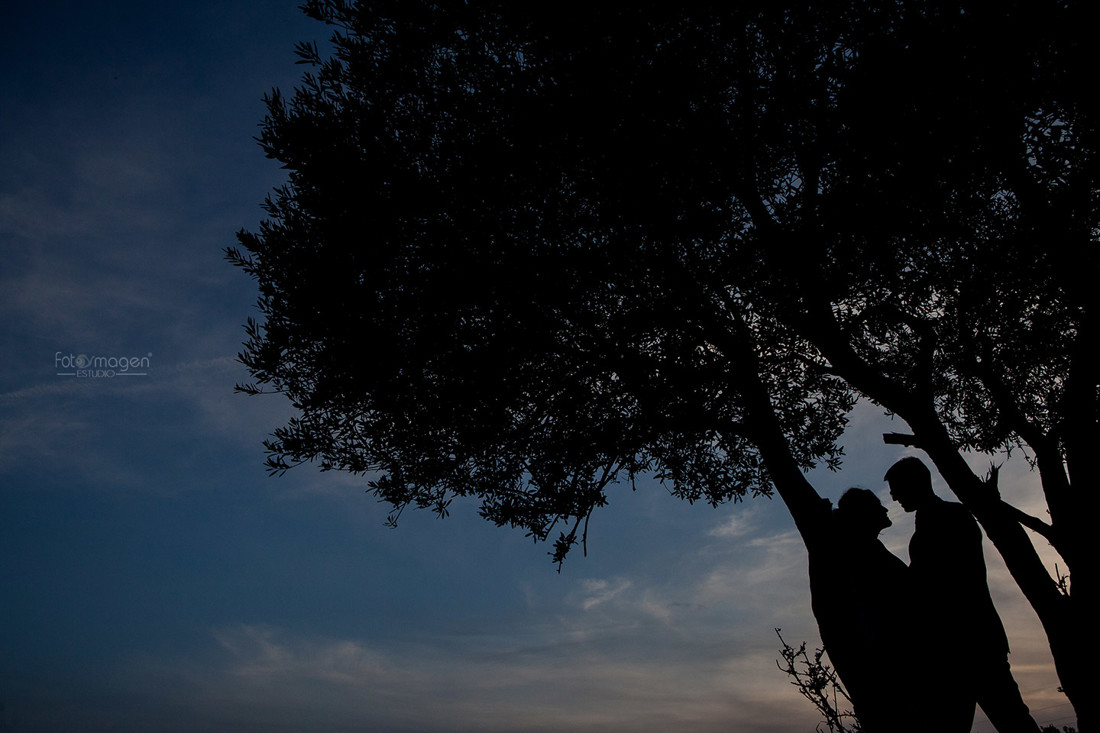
(859, 511)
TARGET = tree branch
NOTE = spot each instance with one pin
(1033, 523)
(906, 439)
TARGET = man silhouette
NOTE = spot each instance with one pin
(860, 596)
(967, 644)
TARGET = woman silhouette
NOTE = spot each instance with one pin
(860, 597)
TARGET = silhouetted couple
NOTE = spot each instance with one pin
(916, 647)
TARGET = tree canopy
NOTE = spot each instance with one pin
(527, 252)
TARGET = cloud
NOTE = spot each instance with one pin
(736, 525)
(643, 650)
(598, 592)
(178, 429)
(265, 676)
(765, 576)
(265, 655)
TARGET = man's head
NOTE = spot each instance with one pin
(861, 513)
(910, 483)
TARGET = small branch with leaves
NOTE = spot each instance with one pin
(818, 683)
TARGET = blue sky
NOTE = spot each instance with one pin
(153, 578)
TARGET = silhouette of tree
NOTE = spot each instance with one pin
(527, 253)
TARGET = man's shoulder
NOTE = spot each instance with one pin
(946, 515)
(953, 509)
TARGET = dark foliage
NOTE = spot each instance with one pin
(527, 252)
(494, 269)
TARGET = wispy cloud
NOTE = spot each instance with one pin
(597, 592)
(269, 675)
(41, 423)
(736, 525)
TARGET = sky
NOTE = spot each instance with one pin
(154, 578)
